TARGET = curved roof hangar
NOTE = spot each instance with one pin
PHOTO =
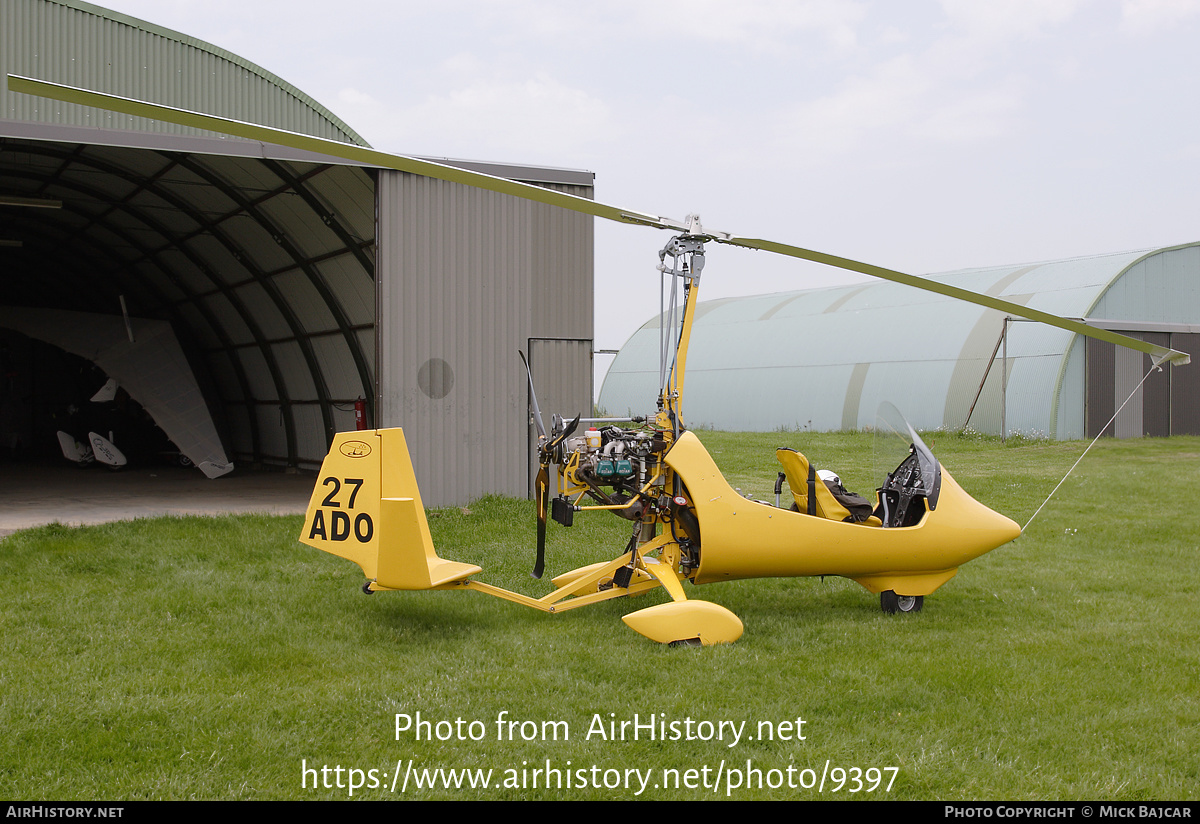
(261, 258)
(824, 359)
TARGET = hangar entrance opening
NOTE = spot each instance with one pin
(263, 260)
(262, 264)
(297, 283)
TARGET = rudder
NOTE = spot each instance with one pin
(367, 508)
(343, 513)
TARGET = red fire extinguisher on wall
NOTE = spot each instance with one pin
(360, 414)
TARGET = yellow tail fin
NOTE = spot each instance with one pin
(366, 507)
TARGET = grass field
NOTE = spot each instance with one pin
(220, 659)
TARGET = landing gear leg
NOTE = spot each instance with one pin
(891, 603)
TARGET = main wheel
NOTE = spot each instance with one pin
(892, 603)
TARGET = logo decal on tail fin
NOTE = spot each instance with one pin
(355, 449)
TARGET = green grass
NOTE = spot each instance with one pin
(206, 658)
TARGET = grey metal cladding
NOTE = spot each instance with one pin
(465, 279)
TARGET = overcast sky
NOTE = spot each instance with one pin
(920, 135)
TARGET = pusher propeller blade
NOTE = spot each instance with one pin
(537, 413)
(543, 493)
(543, 497)
(568, 430)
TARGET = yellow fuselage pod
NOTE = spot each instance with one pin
(740, 538)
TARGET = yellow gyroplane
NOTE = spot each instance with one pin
(688, 523)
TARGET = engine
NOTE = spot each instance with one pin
(621, 460)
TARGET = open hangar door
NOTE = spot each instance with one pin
(263, 261)
(260, 258)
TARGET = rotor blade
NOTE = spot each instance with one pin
(537, 413)
(543, 490)
(334, 148)
(1158, 353)
(361, 154)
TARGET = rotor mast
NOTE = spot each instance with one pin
(686, 254)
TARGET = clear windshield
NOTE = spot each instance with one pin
(909, 476)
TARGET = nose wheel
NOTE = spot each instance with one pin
(891, 603)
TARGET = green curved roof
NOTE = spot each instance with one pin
(80, 44)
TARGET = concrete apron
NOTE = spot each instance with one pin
(33, 495)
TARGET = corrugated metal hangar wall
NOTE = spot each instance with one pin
(296, 283)
(466, 279)
(825, 359)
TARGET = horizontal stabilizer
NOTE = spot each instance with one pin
(409, 560)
